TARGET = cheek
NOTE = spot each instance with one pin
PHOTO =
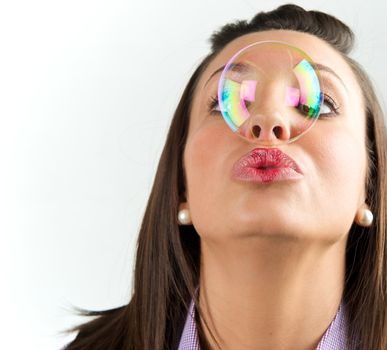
(206, 159)
(205, 151)
(340, 160)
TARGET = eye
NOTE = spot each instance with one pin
(212, 103)
(328, 108)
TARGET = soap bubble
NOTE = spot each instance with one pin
(270, 92)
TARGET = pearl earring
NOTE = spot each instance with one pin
(364, 217)
(184, 217)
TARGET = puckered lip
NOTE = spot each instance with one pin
(263, 158)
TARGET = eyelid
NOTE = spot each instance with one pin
(332, 102)
(332, 88)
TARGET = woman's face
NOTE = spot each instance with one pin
(321, 205)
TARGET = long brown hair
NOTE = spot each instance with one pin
(167, 265)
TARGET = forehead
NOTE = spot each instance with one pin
(317, 49)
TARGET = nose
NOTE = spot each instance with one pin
(269, 121)
(266, 128)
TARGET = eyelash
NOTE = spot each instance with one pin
(213, 101)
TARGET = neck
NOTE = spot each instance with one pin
(270, 294)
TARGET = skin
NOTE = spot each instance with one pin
(273, 255)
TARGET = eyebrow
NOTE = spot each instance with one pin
(238, 67)
(242, 68)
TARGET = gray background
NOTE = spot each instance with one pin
(81, 131)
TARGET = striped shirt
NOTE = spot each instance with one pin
(334, 337)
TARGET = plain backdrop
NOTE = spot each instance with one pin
(87, 92)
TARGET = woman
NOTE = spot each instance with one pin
(226, 264)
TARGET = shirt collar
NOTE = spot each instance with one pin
(335, 336)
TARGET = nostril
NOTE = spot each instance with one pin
(256, 130)
(277, 131)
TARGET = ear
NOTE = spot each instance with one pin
(183, 205)
(183, 200)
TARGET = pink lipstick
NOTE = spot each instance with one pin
(266, 165)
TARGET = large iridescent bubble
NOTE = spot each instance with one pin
(270, 92)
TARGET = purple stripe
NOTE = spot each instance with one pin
(334, 337)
